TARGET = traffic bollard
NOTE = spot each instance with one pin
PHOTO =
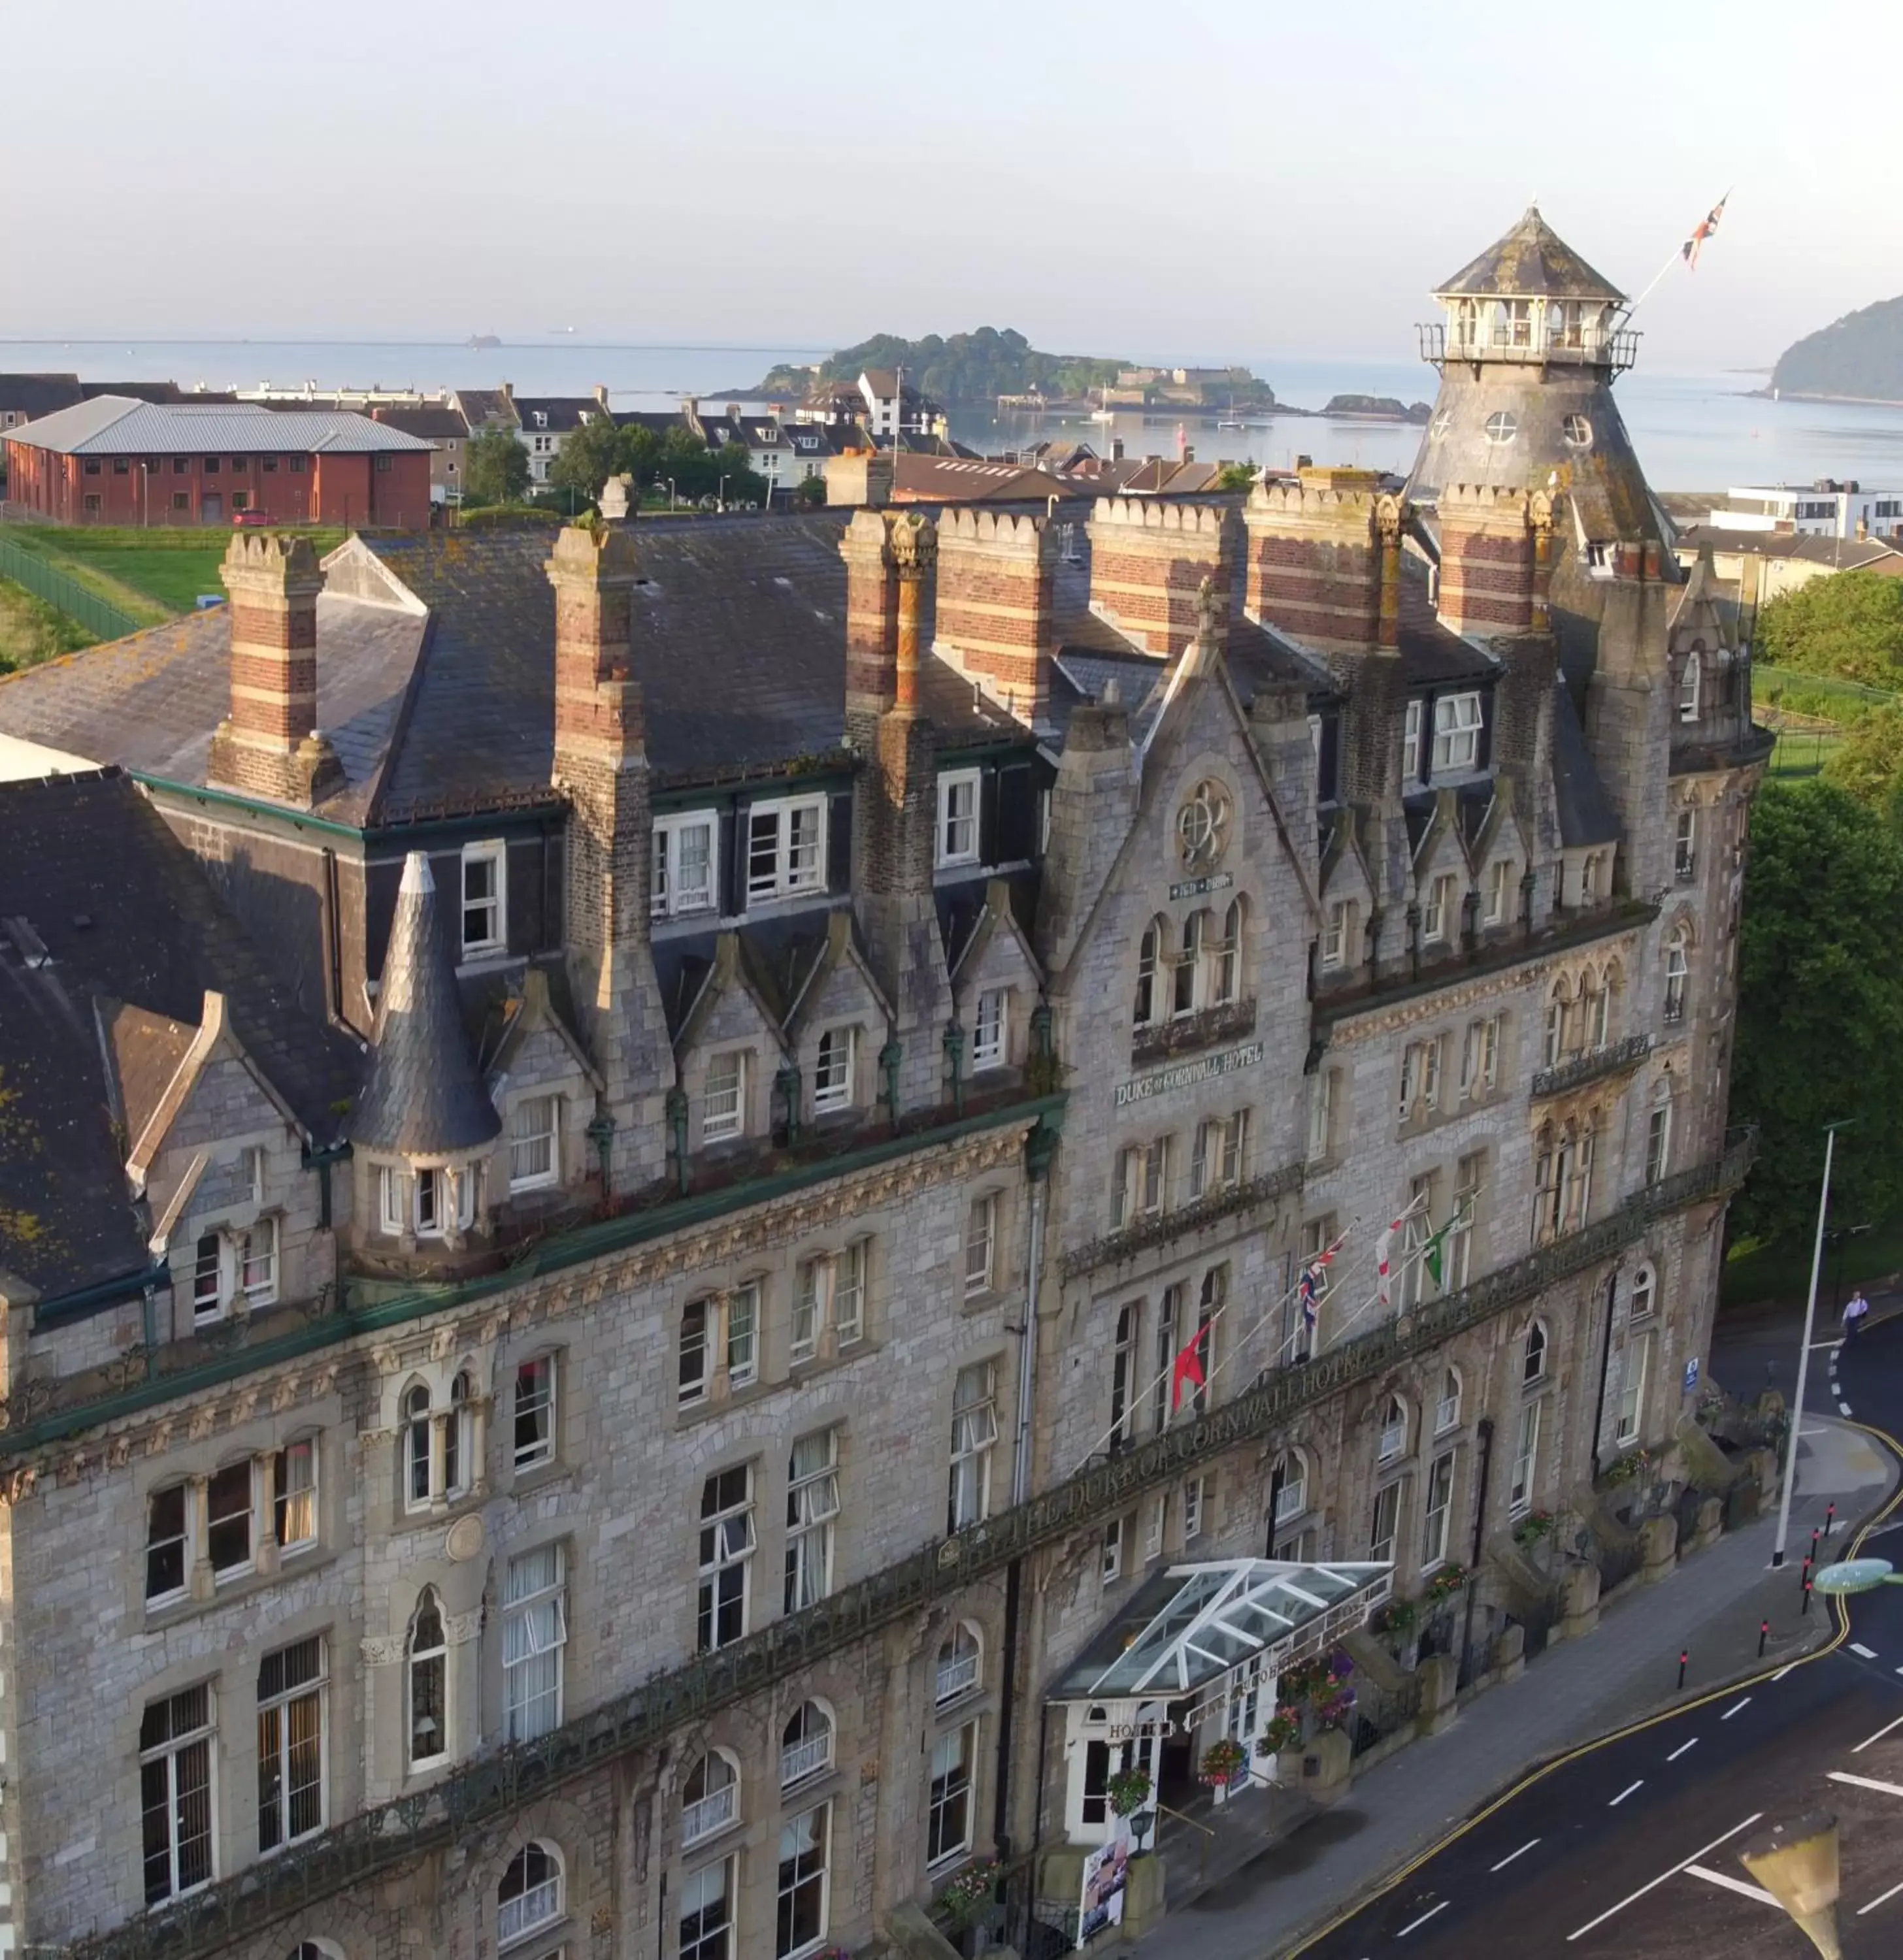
(1764, 1634)
(1806, 1596)
(1684, 1655)
(1830, 1517)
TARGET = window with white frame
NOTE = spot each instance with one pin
(683, 864)
(1526, 1456)
(1678, 974)
(534, 1412)
(811, 1281)
(532, 1158)
(1394, 1431)
(1591, 877)
(176, 1798)
(1684, 853)
(980, 1244)
(1195, 1491)
(209, 1295)
(812, 1503)
(1457, 729)
(427, 1203)
(1186, 980)
(1122, 1372)
(1410, 743)
(960, 1657)
(294, 1494)
(1110, 1556)
(485, 908)
(230, 1520)
(1447, 1408)
(290, 1693)
(786, 848)
(1149, 952)
(1142, 1189)
(534, 1632)
(957, 817)
(802, 1889)
(989, 1029)
(393, 1207)
(833, 1071)
(530, 1895)
(974, 1436)
(1480, 1058)
(426, 1664)
(231, 1267)
(1288, 1487)
(707, 1913)
(1638, 1368)
(1386, 1523)
(694, 1373)
(848, 1293)
(1222, 1146)
(805, 1745)
(1689, 675)
(1439, 1512)
(1595, 1011)
(1439, 916)
(947, 1821)
(1337, 934)
(167, 1543)
(723, 1097)
(1499, 893)
(1470, 1175)
(1658, 1140)
(710, 1798)
(1169, 1317)
(1533, 1353)
(727, 1545)
(1420, 1063)
(743, 1335)
(1322, 1087)
(1645, 1293)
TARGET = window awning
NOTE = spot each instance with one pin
(1191, 1625)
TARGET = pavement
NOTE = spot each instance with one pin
(1269, 1892)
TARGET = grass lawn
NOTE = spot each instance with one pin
(152, 575)
(1802, 752)
(30, 631)
(1754, 1272)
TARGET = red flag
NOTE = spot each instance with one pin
(1707, 226)
(1188, 1368)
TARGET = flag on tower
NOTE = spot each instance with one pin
(1705, 227)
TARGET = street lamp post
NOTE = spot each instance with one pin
(669, 482)
(720, 496)
(1803, 1353)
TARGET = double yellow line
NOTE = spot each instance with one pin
(1583, 1749)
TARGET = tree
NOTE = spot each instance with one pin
(1234, 476)
(1869, 761)
(494, 467)
(810, 491)
(590, 455)
(1820, 1011)
(1849, 624)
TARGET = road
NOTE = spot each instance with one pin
(1629, 1846)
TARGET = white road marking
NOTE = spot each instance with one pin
(1879, 1899)
(1880, 1734)
(1832, 1345)
(1843, 1409)
(1731, 1885)
(1624, 1793)
(1734, 1708)
(1681, 1748)
(1786, 1669)
(1632, 1898)
(1858, 1647)
(1423, 1919)
(1511, 1855)
(1867, 1783)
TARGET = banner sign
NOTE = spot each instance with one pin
(1186, 1074)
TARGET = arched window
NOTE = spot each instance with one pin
(1287, 1486)
(1546, 1182)
(1150, 953)
(1394, 1430)
(1599, 1015)
(416, 1447)
(1658, 1135)
(1557, 1013)
(710, 1798)
(428, 1667)
(1185, 984)
(960, 1660)
(1447, 1410)
(1689, 676)
(458, 1449)
(1645, 1292)
(1677, 972)
(805, 1745)
(1533, 1354)
(530, 1895)
(1227, 966)
(315, 1949)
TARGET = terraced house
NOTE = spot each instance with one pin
(658, 1188)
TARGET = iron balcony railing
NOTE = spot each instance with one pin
(496, 1786)
(705, 1816)
(1612, 1060)
(1583, 347)
(1159, 1228)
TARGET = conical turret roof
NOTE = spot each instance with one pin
(1531, 261)
(423, 1097)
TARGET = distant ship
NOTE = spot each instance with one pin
(561, 329)
(481, 341)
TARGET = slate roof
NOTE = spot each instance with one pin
(33, 395)
(434, 425)
(423, 1096)
(563, 413)
(1531, 260)
(1586, 812)
(1881, 555)
(136, 935)
(151, 702)
(479, 406)
(115, 425)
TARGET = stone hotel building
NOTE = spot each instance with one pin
(653, 1186)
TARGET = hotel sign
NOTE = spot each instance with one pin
(1195, 888)
(1186, 1074)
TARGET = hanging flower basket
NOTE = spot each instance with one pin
(1281, 1731)
(1223, 1762)
(1334, 1712)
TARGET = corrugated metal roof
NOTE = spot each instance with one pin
(115, 425)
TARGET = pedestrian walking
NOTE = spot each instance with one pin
(1855, 1308)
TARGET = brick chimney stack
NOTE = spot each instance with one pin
(601, 764)
(872, 624)
(269, 746)
(995, 616)
(1148, 561)
(1323, 560)
(1486, 560)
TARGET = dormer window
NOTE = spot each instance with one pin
(485, 899)
(683, 864)
(1688, 677)
(1457, 719)
(534, 1159)
(428, 1202)
(786, 848)
(723, 1101)
(833, 1071)
(957, 818)
(990, 1029)
(231, 1267)
(540, 417)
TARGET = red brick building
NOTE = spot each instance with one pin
(114, 460)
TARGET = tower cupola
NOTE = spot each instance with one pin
(1530, 298)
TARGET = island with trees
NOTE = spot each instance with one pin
(1859, 358)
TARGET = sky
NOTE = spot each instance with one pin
(1212, 180)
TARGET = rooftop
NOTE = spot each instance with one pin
(1531, 261)
(118, 425)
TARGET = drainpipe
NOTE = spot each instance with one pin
(955, 1060)
(889, 1057)
(1605, 1367)
(676, 1108)
(1483, 1476)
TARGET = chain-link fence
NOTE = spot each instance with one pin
(98, 616)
